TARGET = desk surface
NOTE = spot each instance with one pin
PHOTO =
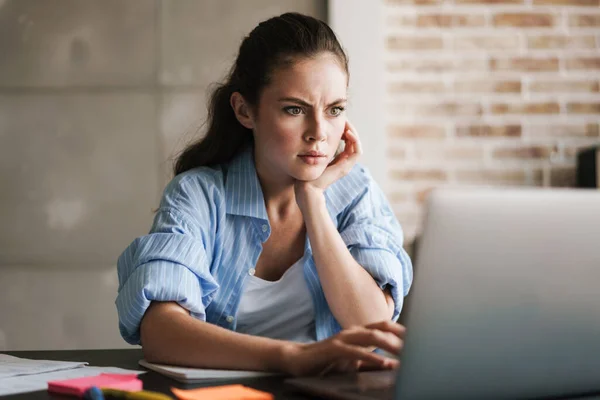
(128, 358)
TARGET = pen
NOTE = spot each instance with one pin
(95, 393)
(140, 395)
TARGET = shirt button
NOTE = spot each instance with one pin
(251, 271)
(265, 228)
(229, 319)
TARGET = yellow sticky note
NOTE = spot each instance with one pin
(227, 392)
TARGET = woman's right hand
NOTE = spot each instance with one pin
(349, 350)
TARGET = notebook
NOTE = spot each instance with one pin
(191, 375)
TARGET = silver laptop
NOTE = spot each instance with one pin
(505, 302)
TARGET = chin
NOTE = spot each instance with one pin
(308, 174)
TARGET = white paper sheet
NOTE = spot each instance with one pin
(32, 383)
(15, 366)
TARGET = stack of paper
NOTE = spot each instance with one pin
(15, 366)
(21, 375)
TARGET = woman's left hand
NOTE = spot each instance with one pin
(338, 168)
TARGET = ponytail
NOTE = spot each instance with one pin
(224, 138)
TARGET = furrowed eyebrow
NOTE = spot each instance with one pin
(305, 104)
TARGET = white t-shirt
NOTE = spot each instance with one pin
(281, 309)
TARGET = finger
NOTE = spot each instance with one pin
(364, 337)
(350, 125)
(388, 326)
(348, 150)
(340, 157)
(355, 151)
(358, 146)
(368, 366)
(354, 141)
(345, 152)
(343, 350)
(342, 366)
(349, 139)
(348, 366)
(338, 168)
(327, 369)
(355, 138)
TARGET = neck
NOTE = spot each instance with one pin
(278, 192)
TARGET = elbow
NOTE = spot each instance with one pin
(149, 334)
(150, 348)
(151, 356)
(156, 333)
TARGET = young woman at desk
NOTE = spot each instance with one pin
(271, 248)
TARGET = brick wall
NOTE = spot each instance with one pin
(492, 92)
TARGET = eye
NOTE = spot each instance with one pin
(335, 111)
(293, 110)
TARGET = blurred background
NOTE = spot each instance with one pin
(98, 96)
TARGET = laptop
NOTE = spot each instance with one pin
(505, 302)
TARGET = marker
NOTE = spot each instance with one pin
(140, 395)
(95, 393)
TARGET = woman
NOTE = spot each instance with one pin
(271, 249)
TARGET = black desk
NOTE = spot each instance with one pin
(128, 358)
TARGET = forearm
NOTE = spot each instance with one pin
(352, 294)
(171, 336)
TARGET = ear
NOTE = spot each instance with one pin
(241, 110)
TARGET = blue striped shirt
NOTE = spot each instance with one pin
(208, 233)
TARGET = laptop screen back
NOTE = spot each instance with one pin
(506, 296)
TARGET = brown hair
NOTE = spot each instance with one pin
(276, 42)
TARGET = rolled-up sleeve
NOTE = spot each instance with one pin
(374, 237)
(171, 263)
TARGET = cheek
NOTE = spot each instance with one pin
(287, 131)
(287, 134)
(337, 129)
(281, 138)
(274, 129)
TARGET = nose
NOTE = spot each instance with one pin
(316, 132)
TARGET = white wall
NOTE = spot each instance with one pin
(86, 136)
(358, 24)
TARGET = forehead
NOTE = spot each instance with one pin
(321, 78)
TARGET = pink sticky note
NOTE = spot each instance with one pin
(78, 386)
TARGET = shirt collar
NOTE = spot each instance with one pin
(245, 197)
(242, 188)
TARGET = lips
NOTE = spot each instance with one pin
(313, 157)
(313, 154)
